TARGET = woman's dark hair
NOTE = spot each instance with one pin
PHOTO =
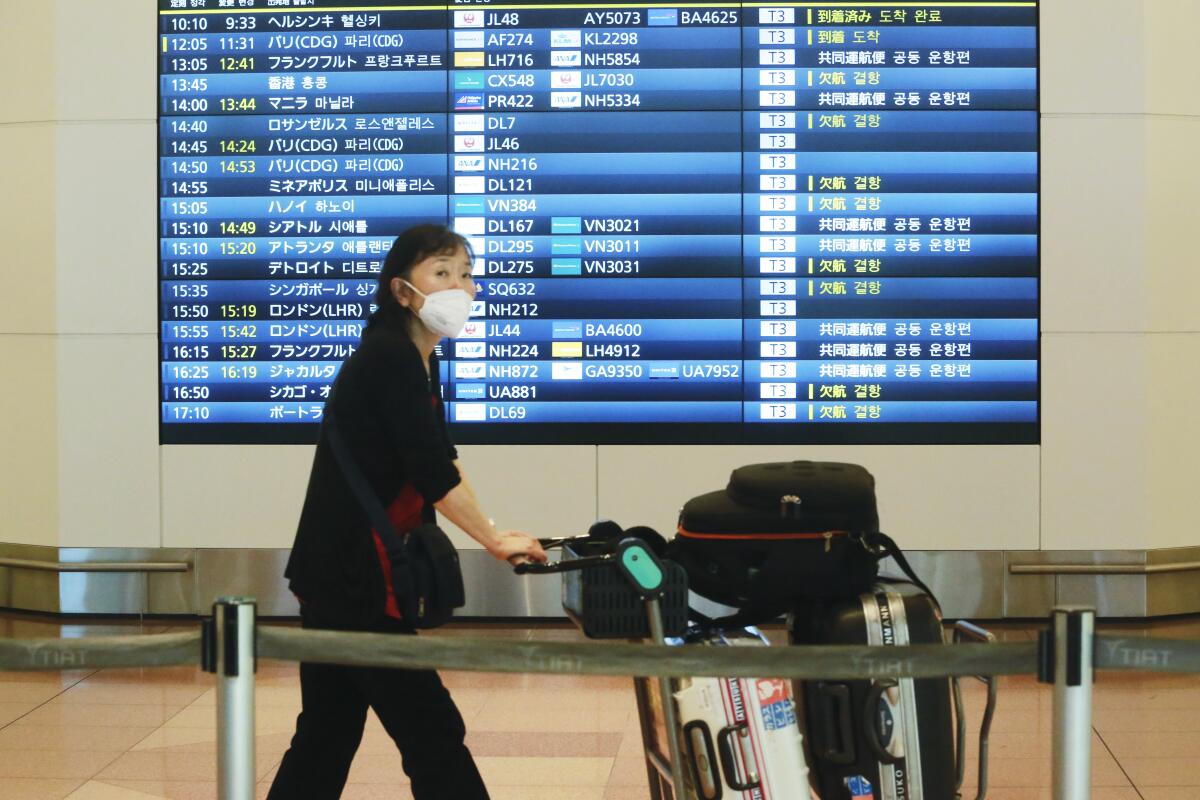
(411, 248)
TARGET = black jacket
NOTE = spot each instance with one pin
(391, 417)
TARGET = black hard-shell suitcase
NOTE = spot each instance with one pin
(885, 739)
(780, 531)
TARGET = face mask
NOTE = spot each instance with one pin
(445, 312)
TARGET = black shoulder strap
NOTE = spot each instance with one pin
(886, 546)
(358, 484)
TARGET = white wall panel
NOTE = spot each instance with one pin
(108, 476)
(232, 496)
(107, 233)
(1093, 56)
(543, 490)
(29, 465)
(1172, 446)
(931, 497)
(1094, 426)
(1172, 221)
(1093, 223)
(105, 61)
(1171, 85)
(27, 228)
(27, 45)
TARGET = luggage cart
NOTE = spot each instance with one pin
(618, 589)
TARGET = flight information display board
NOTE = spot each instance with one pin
(710, 222)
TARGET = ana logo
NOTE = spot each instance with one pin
(468, 163)
(470, 349)
(470, 371)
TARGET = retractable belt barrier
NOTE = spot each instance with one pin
(841, 662)
(230, 643)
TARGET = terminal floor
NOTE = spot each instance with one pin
(130, 733)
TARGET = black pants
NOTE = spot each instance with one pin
(415, 709)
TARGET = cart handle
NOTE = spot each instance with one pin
(527, 567)
(965, 631)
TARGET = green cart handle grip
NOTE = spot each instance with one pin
(641, 567)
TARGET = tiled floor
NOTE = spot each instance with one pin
(130, 733)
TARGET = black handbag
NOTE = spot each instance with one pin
(426, 574)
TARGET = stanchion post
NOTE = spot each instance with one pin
(1066, 655)
(234, 651)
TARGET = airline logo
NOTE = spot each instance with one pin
(566, 39)
(479, 267)
(468, 58)
(477, 245)
(468, 184)
(468, 123)
(468, 80)
(469, 164)
(770, 692)
(469, 226)
(566, 224)
(566, 99)
(474, 329)
(566, 349)
(468, 143)
(465, 206)
(470, 349)
(566, 266)
(566, 58)
(566, 329)
(566, 247)
(567, 371)
(468, 19)
(468, 40)
(468, 102)
(663, 371)
(566, 80)
(662, 16)
(472, 371)
(470, 391)
(478, 308)
(470, 412)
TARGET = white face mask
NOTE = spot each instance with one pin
(445, 312)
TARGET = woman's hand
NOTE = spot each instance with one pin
(516, 546)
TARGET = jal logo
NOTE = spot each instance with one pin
(468, 19)
(568, 80)
(472, 330)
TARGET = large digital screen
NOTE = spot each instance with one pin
(806, 222)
